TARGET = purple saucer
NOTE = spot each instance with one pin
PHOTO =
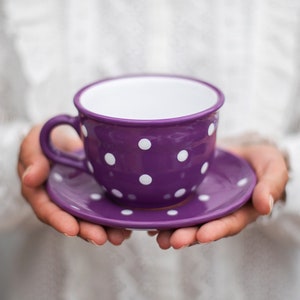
(227, 186)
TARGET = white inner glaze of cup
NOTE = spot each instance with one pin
(148, 98)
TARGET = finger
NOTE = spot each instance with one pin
(117, 236)
(272, 175)
(36, 172)
(33, 166)
(152, 232)
(262, 198)
(183, 237)
(163, 239)
(93, 233)
(270, 187)
(49, 213)
(227, 226)
(66, 138)
(127, 234)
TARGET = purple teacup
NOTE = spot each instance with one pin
(148, 139)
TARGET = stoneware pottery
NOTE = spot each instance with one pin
(227, 186)
(149, 141)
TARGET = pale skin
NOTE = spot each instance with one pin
(33, 168)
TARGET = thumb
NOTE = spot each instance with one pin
(33, 166)
(272, 175)
(36, 172)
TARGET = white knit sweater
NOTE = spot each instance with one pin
(250, 49)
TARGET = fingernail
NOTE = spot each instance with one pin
(26, 172)
(182, 247)
(194, 244)
(67, 235)
(92, 242)
(271, 204)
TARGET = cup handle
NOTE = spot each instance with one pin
(55, 154)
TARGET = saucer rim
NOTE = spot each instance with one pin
(161, 224)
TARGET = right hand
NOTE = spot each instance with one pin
(272, 176)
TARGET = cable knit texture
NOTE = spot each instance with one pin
(250, 49)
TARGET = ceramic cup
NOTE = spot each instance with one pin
(148, 139)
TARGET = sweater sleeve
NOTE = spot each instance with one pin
(13, 208)
(284, 222)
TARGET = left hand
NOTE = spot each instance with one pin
(272, 175)
(34, 168)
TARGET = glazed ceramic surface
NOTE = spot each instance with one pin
(148, 140)
(228, 185)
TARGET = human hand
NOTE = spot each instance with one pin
(33, 169)
(272, 175)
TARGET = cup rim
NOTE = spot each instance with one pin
(165, 121)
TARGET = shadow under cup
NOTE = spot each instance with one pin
(148, 140)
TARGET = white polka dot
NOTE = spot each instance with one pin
(84, 131)
(204, 168)
(172, 212)
(95, 196)
(211, 129)
(145, 179)
(182, 156)
(110, 159)
(193, 189)
(144, 144)
(182, 175)
(57, 177)
(90, 167)
(117, 193)
(242, 182)
(132, 197)
(167, 196)
(126, 212)
(180, 193)
(204, 197)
